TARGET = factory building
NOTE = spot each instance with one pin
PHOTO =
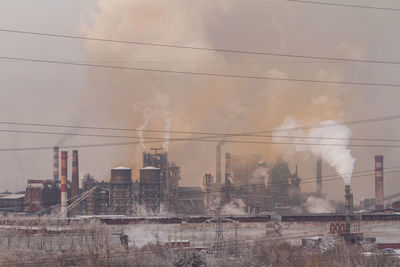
(12, 202)
(42, 195)
(97, 202)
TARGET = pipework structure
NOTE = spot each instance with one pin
(64, 172)
(378, 182)
(169, 176)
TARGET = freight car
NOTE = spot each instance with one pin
(380, 217)
(179, 220)
(313, 218)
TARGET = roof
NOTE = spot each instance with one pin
(11, 196)
(121, 168)
(150, 168)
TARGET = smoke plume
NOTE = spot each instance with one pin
(318, 205)
(319, 142)
(190, 103)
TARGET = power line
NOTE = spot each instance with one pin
(194, 139)
(202, 48)
(193, 73)
(326, 178)
(205, 139)
(252, 133)
(344, 5)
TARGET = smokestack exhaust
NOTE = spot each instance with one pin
(56, 173)
(75, 181)
(378, 182)
(64, 161)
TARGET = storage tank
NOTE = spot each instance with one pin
(121, 175)
(150, 175)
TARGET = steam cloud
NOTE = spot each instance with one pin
(319, 205)
(339, 157)
(189, 103)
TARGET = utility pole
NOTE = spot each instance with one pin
(219, 243)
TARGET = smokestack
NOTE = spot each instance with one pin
(319, 176)
(218, 169)
(349, 208)
(75, 181)
(228, 183)
(55, 166)
(207, 181)
(64, 161)
(378, 182)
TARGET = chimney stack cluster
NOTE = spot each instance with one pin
(64, 180)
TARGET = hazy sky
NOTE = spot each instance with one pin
(46, 93)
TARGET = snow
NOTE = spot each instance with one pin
(150, 168)
(122, 168)
(12, 196)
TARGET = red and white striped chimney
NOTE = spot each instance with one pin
(56, 173)
(64, 161)
(379, 182)
(75, 181)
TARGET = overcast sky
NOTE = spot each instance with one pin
(57, 94)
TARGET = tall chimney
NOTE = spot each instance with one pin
(349, 209)
(218, 169)
(64, 161)
(56, 173)
(378, 182)
(319, 177)
(75, 181)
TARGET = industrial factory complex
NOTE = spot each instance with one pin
(255, 193)
(247, 184)
(249, 200)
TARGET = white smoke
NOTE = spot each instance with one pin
(156, 110)
(144, 234)
(143, 126)
(319, 205)
(260, 175)
(334, 152)
(235, 207)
